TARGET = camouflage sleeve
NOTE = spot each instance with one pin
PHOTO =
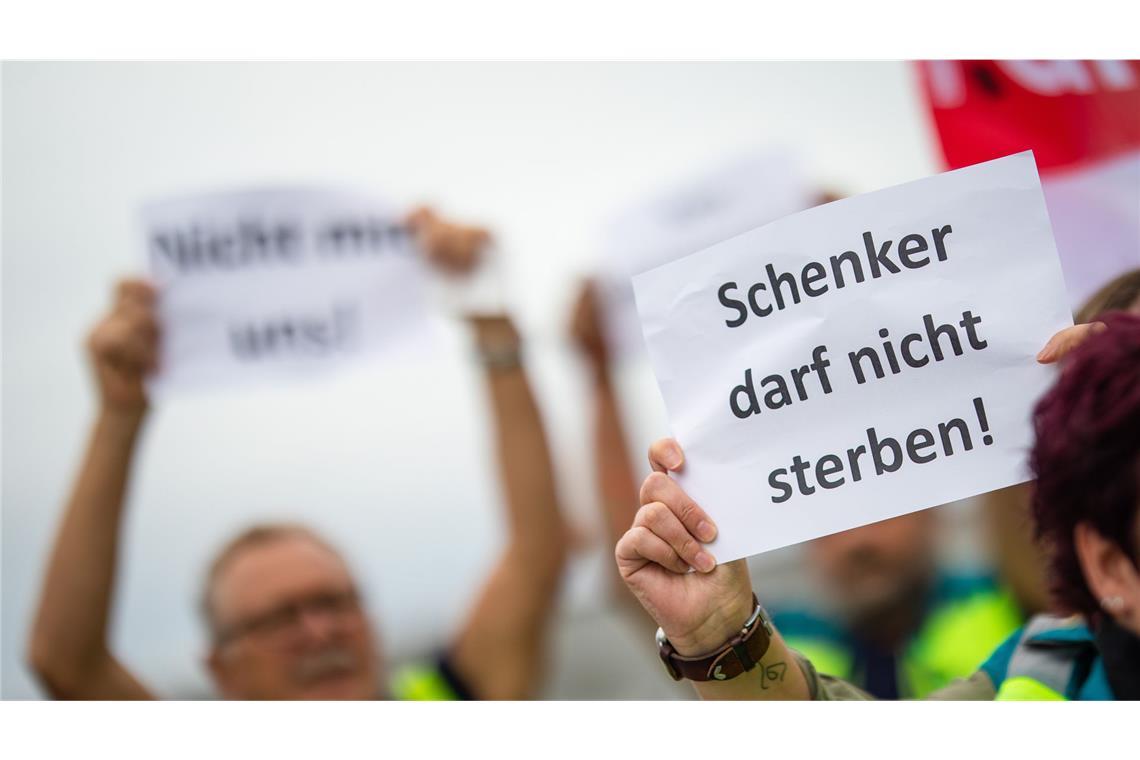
(977, 687)
(825, 687)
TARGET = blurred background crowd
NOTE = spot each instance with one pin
(476, 490)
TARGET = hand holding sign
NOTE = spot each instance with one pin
(698, 611)
(698, 604)
(454, 247)
(1064, 342)
(858, 360)
(123, 347)
(275, 283)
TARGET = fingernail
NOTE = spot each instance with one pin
(704, 561)
(705, 531)
(672, 457)
(1045, 354)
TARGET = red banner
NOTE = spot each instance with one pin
(1069, 113)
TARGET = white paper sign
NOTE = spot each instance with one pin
(859, 360)
(729, 199)
(264, 284)
(1096, 220)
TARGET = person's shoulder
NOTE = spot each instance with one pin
(996, 666)
(967, 617)
(433, 681)
(1041, 632)
(1051, 657)
(1054, 630)
(421, 682)
(971, 607)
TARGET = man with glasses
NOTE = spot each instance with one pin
(283, 611)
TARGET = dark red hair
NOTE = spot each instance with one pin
(1086, 456)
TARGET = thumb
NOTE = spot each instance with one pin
(665, 455)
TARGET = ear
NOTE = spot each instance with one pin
(1108, 570)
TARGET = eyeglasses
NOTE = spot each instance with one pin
(285, 619)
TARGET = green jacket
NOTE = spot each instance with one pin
(429, 682)
(966, 619)
(1051, 658)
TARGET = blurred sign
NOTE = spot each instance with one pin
(265, 284)
(725, 201)
(1081, 119)
(859, 360)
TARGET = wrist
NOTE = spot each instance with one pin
(600, 374)
(497, 343)
(724, 623)
(494, 331)
(127, 418)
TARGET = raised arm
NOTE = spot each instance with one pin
(617, 483)
(498, 652)
(68, 647)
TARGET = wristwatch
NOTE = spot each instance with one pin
(498, 346)
(740, 654)
(500, 357)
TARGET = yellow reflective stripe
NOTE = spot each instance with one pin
(957, 638)
(1026, 689)
(826, 657)
(422, 685)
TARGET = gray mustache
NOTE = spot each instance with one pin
(327, 662)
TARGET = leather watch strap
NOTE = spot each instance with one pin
(739, 655)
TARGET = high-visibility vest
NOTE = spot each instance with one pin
(1051, 658)
(970, 618)
(423, 684)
